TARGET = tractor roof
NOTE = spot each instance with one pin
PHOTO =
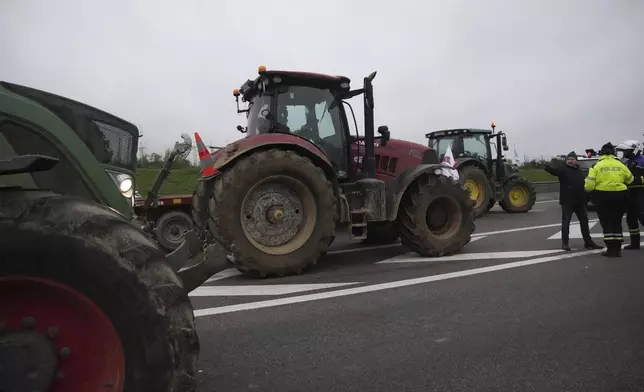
(251, 87)
(66, 108)
(457, 131)
(306, 77)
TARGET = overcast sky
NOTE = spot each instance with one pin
(555, 75)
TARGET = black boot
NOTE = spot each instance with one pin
(635, 243)
(618, 248)
(565, 246)
(590, 244)
(610, 249)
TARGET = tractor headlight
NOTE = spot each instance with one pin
(124, 182)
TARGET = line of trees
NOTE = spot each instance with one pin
(156, 161)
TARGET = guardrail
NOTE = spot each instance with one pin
(546, 186)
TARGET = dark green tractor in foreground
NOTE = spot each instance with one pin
(488, 178)
(88, 300)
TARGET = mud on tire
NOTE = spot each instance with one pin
(199, 206)
(420, 206)
(259, 169)
(96, 252)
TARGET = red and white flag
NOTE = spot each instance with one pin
(448, 159)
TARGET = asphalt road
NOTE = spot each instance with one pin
(512, 312)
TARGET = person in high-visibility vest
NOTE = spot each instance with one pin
(608, 179)
(634, 160)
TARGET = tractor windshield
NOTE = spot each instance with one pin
(305, 111)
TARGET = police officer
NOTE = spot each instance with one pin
(607, 179)
(635, 208)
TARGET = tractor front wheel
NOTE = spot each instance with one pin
(477, 184)
(519, 195)
(274, 211)
(435, 216)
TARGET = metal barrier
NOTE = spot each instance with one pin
(546, 186)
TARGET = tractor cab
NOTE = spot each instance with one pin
(485, 173)
(312, 107)
(472, 144)
(306, 105)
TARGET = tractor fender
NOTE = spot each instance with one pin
(402, 181)
(230, 154)
(463, 162)
(510, 177)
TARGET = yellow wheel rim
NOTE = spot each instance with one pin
(518, 196)
(475, 189)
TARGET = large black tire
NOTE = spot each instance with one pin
(93, 250)
(382, 233)
(519, 195)
(273, 167)
(478, 185)
(423, 201)
(170, 229)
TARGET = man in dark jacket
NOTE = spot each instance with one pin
(572, 198)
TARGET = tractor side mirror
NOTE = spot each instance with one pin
(182, 148)
(504, 143)
(383, 130)
(241, 129)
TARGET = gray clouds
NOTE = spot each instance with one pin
(556, 75)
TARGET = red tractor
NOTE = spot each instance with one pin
(276, 196)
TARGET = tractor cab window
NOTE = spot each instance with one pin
(448, 141)
(311, 114)
(475, 146)
(258, 116)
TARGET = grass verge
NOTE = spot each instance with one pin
(184, 181)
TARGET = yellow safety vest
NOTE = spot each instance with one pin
(608, 174)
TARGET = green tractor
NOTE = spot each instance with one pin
(88, 300)
(488, 178)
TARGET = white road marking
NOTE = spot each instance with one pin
(385, 286)
(523, 229)
(545, 201)
(474, 239)
(575, 231)
(413, 258)
(269, 289)
(225, 274)
(363, 248)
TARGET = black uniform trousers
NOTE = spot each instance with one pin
(635, 214)
(611, 207)
(578, 208)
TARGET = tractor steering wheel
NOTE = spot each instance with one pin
(307, 132)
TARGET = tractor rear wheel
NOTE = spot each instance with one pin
(435, 216)
(274, 211)
(382, 233)
(477, 184)
(88, 302)
(519, 195)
